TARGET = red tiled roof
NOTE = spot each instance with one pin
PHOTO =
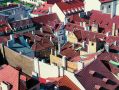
(10, 75)
(4, 26)
(43, 9)
(71, 5)
(89, 81)
(73, 27)
(103, 20)
(105, 1)
(21, 23)
(53, 1)
(42, 44)
(45, 19)
(69, 53)
(108, 56)
(66, 84)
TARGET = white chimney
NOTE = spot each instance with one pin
(41, 29)
(32, 32)
(50, 10)
(91, 72)
(55, 52)
(105, 80)
(36, 66)
(97, 87)
(106, 47)
(83, 44)
(56, 87)
(63, 61)
(5, 85)
(59, 48)
(80, 66)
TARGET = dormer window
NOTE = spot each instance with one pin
(92, 44)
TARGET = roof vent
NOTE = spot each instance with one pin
(97, 87)
(5, 85)
(91, 72)
(105, 80)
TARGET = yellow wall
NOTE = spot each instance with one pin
(72, 38)
(94, 28)
(71, 66)
(92, 48)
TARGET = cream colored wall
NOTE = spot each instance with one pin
(91, 48)
(117, 8)
(83, 52)
(72, 38)
(92, 5)
(94, 28)
(60, 14)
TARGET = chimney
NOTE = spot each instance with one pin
(83, 44)
(80, 65)
(5, 85)
(36, 66)
(113, 29)
(41, 29)
(56, 87)
(106, 47)
(59, 48)
(51, 39)
(94, 27)
(12, 37)
(64, 61)
(50, 10)
(105, 80)
(107, 34)
(91, 72)
(97, 87)
(32, 32)
(81, 23)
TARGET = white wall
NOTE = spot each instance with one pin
(49, 70)
(117, 8)
(60, 14)
(92, 5)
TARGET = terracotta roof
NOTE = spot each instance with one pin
(105, 1)
(73, 27)
(21, 23)
(53, 1)
(9, 75)
(69, 53)
(97, 74)
(71, 6)
(66, 84)
(42, 44)
(43, 9)
(45, 19)
(107, 56)
(4, 26)
(103, 20)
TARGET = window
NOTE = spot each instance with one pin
(102, 8)
(109, 9)
(92, 44)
